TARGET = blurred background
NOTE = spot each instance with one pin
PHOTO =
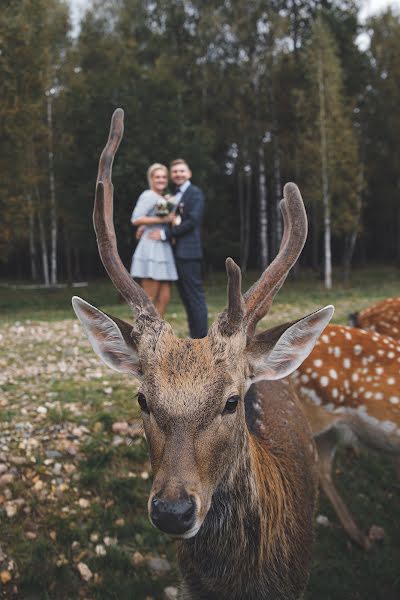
(252, 94)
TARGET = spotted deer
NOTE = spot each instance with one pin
(350, 386)
(382, 317)
(235, 475)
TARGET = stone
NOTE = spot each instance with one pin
(120, 427)
(322, 520)
(109, 541)
(53, 454)
(11, 509)
(6, 479)
(5, 577)
(84, 571)
(83, 503)
(100, 550)
(137, 558)
(117, 440)
(159, 566)
(17, 460)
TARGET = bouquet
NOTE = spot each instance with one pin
(165, 206)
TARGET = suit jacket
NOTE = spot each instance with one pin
(187, 235)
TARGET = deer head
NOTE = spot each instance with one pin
(192, 390)
(382, 317)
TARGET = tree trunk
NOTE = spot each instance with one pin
(243, 240)
(53, 205)
(67, 248)
(315, 237)
(325, 182)
(278, 193)
(352, 237)
(245, 205)
(262, 211)
(45, 259)
(32, 246)
(77, 261)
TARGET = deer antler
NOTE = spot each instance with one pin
(258, 299)
(104, 226)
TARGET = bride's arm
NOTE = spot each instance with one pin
(150, 220)
(144, 206)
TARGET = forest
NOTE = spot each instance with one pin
(251, 94)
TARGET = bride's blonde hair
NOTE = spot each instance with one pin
(155, 167)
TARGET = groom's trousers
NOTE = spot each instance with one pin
(190, 286)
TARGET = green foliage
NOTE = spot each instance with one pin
(343, 166)
(212, 83)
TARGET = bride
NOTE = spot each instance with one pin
(153, 260)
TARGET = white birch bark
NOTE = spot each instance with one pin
(246, 223)
(53, 204)
(32, 246)
(278, 193)
(325, 179)
(263, 213)
(43, 245)
(241, 199)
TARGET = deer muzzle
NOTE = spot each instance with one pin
(173, 516)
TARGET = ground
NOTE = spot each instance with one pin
(74, 469)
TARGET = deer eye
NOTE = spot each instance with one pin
(231, 405)
(142, 403)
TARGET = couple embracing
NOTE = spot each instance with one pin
(170, 247)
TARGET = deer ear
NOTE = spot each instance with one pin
(110, 338)
(278, 352)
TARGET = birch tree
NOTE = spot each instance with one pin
(330, 166)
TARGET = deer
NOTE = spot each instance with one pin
(382, 317)
(232, 454)
(350, 388)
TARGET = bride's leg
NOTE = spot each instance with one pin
(163, 297)
(151, 286)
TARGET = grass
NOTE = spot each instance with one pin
(113, 477)
(305, 294)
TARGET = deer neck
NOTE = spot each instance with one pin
(247, 520)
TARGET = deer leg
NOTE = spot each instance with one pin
(326, 444)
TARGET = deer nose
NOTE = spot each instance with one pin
(173, 516)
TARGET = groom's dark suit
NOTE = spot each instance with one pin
(188, 257)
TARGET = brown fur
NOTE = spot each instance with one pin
(260, 548)
(382, 317)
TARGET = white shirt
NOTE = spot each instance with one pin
(182, 189)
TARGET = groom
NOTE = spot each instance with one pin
(186, 233)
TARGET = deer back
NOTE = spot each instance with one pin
(382, 317)
(356, 373)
